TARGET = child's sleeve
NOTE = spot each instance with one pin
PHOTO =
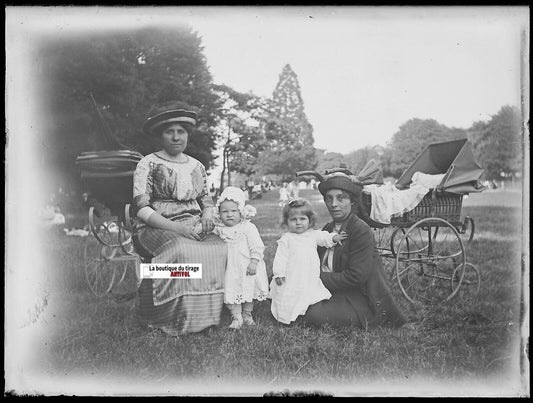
(281, 258)
(255, 243)
(324, 238)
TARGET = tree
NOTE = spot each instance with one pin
(126, 72)
(288, 133)
(288, 104)
(330, 160)
(172, 66)
(286, 163)
(356, 160)
(497, 144)
(413, 136)
(242, 140)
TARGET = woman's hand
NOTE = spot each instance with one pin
(185, 231)
(156, 220)
(207, 221)
(252, 267)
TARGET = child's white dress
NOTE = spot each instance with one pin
(244, 243)
(297, 260)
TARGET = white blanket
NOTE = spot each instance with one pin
(388, 201)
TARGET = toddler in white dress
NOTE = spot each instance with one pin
(246, 278)
(296, 283)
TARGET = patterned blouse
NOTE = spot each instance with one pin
(170, 188)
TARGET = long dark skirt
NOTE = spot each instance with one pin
(352, 307)
(340, 310)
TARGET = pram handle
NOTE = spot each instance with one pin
(336, 170)
(313, 173)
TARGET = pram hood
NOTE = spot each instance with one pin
(108, 176)
(455, 160)
(108, 163)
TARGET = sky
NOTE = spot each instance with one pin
(363, 72)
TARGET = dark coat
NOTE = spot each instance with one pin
(359, 279)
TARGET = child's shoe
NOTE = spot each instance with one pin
(247, 318)
(236, 323)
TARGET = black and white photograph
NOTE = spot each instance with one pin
(267, 201)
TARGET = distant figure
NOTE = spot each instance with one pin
(494, 185)
(250, 184)
(213, 193)
(246, 195)
(290, 188)
(295, 190)
(283, 194)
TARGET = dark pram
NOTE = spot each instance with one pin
(107, 177)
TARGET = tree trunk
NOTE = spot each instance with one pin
(229, 169)
(225, 161)
(223, 169)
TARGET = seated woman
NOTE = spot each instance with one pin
(170, 198)
(352, 272)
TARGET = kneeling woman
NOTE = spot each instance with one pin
(352, 272)
(171, 203)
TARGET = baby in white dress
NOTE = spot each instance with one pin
(296, 283)
(246, 278)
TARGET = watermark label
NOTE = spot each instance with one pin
(171, 270)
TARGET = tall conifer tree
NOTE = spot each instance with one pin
(288, 105)
(289, 133)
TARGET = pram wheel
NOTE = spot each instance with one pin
(471, 283)
(466, 230)
(428, 257)
(387, 242)
(103, 265)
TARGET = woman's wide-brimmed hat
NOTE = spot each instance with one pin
(169, 116)
(342, 182)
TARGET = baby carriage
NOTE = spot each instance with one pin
(426, 245)
(109, 254)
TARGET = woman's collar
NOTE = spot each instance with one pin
(181, 158)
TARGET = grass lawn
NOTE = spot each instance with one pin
(468, 346)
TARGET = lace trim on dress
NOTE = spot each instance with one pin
(239, 298)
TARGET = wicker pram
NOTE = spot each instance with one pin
(462, 176)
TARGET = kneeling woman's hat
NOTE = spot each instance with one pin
(169, 116)
(342, 182)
